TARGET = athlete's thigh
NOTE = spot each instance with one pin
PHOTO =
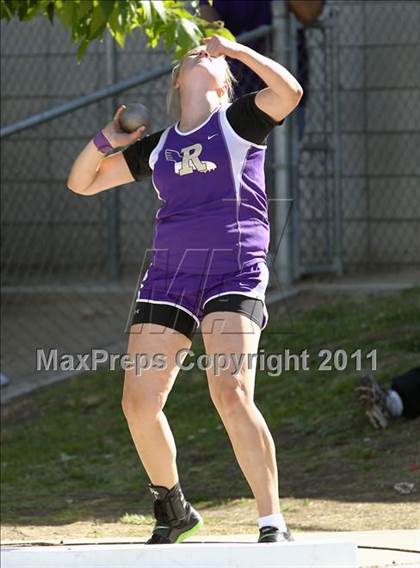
(157, 352)
(230, 337)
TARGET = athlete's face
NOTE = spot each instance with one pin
(198, 65)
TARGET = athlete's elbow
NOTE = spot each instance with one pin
(295, 97)
(297, 90)
(76, 189)
(73, 188)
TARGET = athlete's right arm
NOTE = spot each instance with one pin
(92, 172)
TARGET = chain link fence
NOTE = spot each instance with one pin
(357, 187)
(316, 151)
(70, 264)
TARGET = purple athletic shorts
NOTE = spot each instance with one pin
(180, 300)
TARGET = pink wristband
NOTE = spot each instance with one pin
(102, 143)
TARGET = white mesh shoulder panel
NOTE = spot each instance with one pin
(237, 147)
(155, 152)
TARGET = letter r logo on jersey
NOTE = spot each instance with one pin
(189, 160)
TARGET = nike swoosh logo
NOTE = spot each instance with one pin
(212, 136)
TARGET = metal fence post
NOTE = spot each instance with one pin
(112, 196)
(335, 84)
(282, 189)
(294, 151)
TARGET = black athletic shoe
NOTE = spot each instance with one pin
(176, 519)
(273, 534)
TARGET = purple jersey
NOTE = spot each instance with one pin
(214, 217)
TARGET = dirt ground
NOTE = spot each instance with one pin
(301, 515)
(314, 494)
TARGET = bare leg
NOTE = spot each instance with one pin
(145, 395)
(233, 397)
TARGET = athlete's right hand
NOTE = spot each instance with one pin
(117, 136)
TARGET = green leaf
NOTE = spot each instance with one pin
(107, 7)
(122, 8)
(66, 13)
(22, 7)
(180, 12)
(98, 22)
(31, 13)
(50, 12)
(159, 7)
(82, 49)
(120, 37)
(183, 41)
(115, 26)
(147, 10)
(5, 11)
(84, 8)
(174, 23)
(153, 39)
(168, 35)
(117, 32)
(98, 33)
(190, 29)
(43, 4)
(216, 28)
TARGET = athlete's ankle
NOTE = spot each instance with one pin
(162, 491)
(169, 504)
(274, 520)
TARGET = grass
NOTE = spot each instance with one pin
(68, 456)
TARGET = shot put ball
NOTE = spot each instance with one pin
(134, 116)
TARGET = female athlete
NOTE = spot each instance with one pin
(208, 268)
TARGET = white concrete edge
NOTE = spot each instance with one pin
(314, 554)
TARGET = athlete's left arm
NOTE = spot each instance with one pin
(283, 91)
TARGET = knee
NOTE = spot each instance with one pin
(231, 399)
(143, 406)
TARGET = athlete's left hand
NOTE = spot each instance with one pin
(219, 45)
